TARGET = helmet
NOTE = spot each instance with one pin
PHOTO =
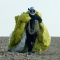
(31, 10)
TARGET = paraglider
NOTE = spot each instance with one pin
(30, 33)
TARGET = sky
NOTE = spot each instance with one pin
(50, 10)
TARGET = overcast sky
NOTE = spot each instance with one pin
(50, 10)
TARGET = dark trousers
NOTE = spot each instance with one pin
(30, 40)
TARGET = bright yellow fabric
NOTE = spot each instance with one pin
(17, 34)
(42, 41)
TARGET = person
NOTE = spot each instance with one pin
(31, 31)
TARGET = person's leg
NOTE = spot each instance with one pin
(28, 41)
(33, 39)
(29, 45)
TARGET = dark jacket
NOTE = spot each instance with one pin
(33, 18)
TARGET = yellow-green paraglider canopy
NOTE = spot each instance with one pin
(42, 41)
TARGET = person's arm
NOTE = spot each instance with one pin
(39, 18)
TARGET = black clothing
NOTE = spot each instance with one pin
(35, 17)
(30, 40)
(32, 37)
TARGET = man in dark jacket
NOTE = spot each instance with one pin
(31, 34)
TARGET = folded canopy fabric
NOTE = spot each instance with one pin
(42, 41)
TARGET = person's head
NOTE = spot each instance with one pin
(31, 10)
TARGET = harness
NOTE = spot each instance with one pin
(35, 27)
